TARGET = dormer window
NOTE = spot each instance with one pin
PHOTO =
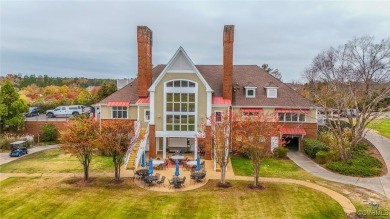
(271, 90)
(250, 92)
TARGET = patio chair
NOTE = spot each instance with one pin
(158, 176)
(183, 182)
(171, 184)
(161, 181)
(136, 175)
(203, 165)
(165, 165)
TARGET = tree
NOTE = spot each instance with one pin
(254, 133)
(220, 132)
(79, 139)
(274, 72)
(12, 107)
(351, 80)
(114, 140)
(105, 90)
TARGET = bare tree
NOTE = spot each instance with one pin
(351, 79)
(274, 72)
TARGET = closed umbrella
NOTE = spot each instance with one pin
(198, 163)
(143, 164)
(150, 166)
(177, 173)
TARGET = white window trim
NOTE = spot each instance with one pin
(180, 90)
(112, 112)
(247, 89)
(145, 119)
(284, 117)
(269, 92)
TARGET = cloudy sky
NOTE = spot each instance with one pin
(97, 39)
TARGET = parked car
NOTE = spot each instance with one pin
(65, 111)
(32, 111)
(18, 152)
(18, 148)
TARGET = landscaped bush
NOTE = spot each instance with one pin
(312, 146)
(322, 157)
(49, 132)
(280, 152)
(361, 163)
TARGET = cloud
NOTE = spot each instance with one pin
(98, 38)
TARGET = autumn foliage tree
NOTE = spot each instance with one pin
(114, 140)
(254, 134)
(79, 139)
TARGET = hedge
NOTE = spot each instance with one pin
(312, 146)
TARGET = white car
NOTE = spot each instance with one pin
(65, 111)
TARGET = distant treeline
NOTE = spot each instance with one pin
(43, 81)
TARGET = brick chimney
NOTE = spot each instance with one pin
(228, 39)
(144, 39)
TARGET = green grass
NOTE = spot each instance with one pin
(366, 211)
(270, 168)
(52, 198)
(382, 126)
(55, 161)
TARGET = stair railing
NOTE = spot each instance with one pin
(142, 147)
(137, 128)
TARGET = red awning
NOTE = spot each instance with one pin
(118, 103)
(251, 110)
(143, 100)
(292, 110)
(221, 101)
(292, 131)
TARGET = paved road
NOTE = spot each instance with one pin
(378, 184)
(5, 158)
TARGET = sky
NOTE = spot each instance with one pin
(97, 39)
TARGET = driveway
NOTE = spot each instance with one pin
(378, 184)
(5, 158)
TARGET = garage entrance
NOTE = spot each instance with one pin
(292, 143)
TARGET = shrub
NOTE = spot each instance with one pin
(322, 157)
(49, 132)
(280, 152)
(312, 146)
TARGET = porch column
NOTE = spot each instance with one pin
(152, 141)
(208, 148)
(195, 148)
(164, 147)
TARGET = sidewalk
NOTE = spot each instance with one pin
(378, 184)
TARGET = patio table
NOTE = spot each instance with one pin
(191, 163)
(177, 157)
(157, 162)
(143, 172)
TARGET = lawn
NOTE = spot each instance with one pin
(55, 161)
(271, 168)
(67, 198)
(382, 126)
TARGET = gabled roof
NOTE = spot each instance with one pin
(242, 75)
(180, 63)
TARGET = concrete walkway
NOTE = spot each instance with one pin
(377, 184)
(5, 158)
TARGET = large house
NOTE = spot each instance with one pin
(169, 101)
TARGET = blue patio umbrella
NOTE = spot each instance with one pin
(198, 163)
(150, 166)
(143, 164)
(177, 173)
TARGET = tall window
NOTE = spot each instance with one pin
(146, 115)
(119, 112)
(180, 105)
